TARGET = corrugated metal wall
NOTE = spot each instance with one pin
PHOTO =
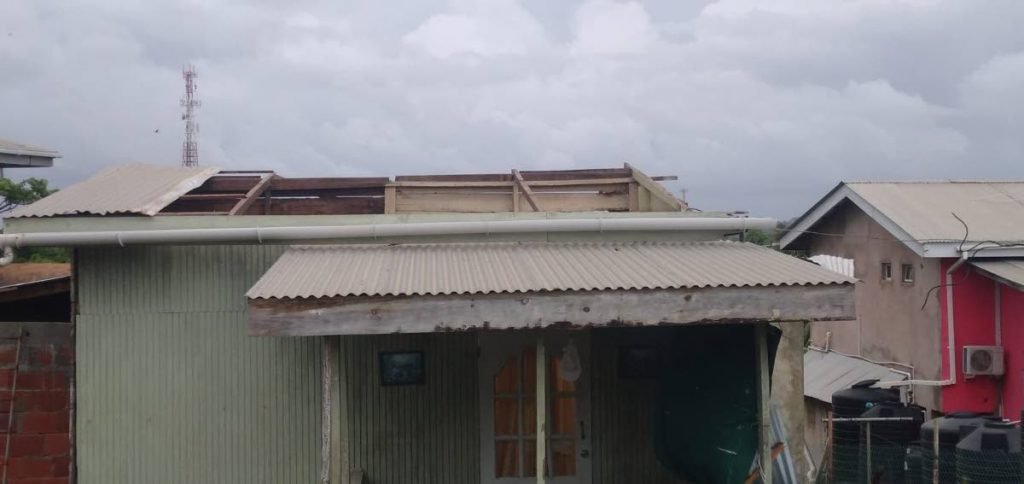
(413, 434)
(171, 389)
(622, 412)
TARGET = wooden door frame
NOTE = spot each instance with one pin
(508, 342)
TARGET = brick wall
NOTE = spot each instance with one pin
(40, 436)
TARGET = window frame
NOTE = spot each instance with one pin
(907, 273)
(886, 272)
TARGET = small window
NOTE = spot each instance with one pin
(887, 271)
(907, 272)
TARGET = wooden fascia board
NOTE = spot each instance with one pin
(425, 314)
(656, 189)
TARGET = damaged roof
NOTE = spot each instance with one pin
(137, 189)
(480, 268)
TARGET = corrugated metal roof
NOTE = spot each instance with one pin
(435, 269)
(833, 263)
(1010, 271)
(9, 147)
(127, 189)
(993, 210)
(828, 372)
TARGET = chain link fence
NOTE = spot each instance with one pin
(877, 451)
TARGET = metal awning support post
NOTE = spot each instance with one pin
(764, 402)
(542, 410)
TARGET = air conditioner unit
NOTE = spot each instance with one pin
(983, 360)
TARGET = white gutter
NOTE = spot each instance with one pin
(950, 330)
(286, 234)
(8, 256)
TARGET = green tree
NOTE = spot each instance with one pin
(13, 194)
(24, 192)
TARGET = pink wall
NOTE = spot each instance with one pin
(1012, 305)
(974, 317)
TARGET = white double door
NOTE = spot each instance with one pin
(508, 407)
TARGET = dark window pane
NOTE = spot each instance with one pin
(506, 459)
(506, 416)
(563, 457)
(507, 379)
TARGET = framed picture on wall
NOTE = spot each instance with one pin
(402, 368)
(639, 361)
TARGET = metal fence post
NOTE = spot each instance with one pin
(867, 444)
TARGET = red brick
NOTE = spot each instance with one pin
(6, 379)
(7, 355)
(59, 380)
(41, 356)
(26, 445)
(30, 467)
(56, 444)
(31, 380)
(43, 423)
(62, 466)
(3, 421)
(65, 355)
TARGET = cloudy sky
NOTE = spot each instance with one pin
(756, 104)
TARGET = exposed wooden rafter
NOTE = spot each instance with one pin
(527, 191)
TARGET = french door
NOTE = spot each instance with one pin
(508, 407)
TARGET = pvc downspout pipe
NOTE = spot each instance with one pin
(950, 330)
(261, 235)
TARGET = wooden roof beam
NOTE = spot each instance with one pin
(527, 192)
(251, 195)
(657, 191)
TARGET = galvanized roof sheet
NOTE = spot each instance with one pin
(994, 211)
(833, 263)
(9, 147)
(436, 269)
(1010, 271)
(127, 189)
(826, 372)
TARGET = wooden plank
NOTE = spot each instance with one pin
(319, 206)
(414, 200)
(527, 192)
(634, 197)
(221, 184)
(505, 184)
(516, 193)
(390, 203)
(658, 192)
(541, 403)
(528, 175)
(251, 196)
(764, 415)
(200, 206)
(288, 184)
(213, 196)
(425, 314)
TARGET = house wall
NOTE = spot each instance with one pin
(40, 431)
(1012, 305)
(171, 388)
(896, 322)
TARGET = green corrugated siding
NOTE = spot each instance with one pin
(413, 434)
(171, 389)
(622, 413)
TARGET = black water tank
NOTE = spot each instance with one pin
(890, 440)
(991, 454)
(913, 465)
(850, 403)
(952, 428)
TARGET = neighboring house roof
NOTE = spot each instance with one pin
(29, 280)
(826, 372)
(833, 263)
(128, 189)
(1007, 271)
(921, 214)
(481, 268)
(14, 154)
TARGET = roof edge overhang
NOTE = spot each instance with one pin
(560, 309)
(842, 192)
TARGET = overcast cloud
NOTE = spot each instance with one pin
(755, 104)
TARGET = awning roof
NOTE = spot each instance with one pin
(415, 288)
(1007, 271)
(484, 268)
(828, 372)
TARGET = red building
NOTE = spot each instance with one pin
(932, 259)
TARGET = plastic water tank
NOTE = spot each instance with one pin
(850, 403)
(990, 454)
(890, 440)
(952, 428)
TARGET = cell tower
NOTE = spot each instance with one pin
(190, 148)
